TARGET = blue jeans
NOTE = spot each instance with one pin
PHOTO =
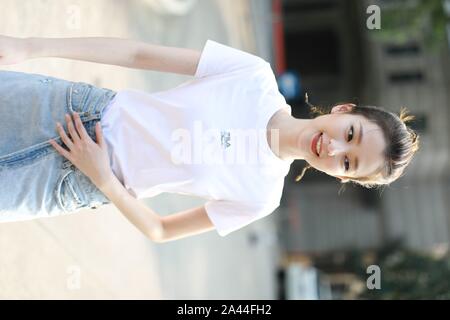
(35, 180)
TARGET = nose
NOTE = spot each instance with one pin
(336, 147)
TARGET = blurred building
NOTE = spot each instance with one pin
(328, 44)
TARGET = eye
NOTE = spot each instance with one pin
(350, 134)
(346, 164)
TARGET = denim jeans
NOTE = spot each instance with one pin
(35, 180)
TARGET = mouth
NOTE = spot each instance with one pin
(316, 144)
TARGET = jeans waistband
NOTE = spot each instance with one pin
(89, 102)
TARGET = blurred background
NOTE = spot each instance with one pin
(321, 241)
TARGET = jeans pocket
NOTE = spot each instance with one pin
(68, 193)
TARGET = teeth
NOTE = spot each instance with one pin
(318, 145)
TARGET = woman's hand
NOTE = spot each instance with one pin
(13, 50)
(91, 158)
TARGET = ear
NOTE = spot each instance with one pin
(340, 108)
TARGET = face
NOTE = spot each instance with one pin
(343, 145)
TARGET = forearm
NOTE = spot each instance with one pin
(115, 51)
(140, 215)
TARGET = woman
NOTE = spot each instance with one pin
(227, 135)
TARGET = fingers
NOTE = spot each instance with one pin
(98, 127)
(60, 149)
(73, 132)
(78, 135)
(64, 137)
(76, 129)
(80, 127)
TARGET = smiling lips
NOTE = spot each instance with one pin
(316, 144)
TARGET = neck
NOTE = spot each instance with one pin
(283, 133)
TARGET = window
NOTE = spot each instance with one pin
(406, 77)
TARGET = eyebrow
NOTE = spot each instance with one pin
(360, 136)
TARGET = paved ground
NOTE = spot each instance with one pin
(99, 254)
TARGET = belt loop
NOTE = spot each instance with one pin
(70, 97)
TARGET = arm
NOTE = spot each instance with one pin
(141, 216)
(92, 158)
(116, 51)
(186, 223)
(159, 229)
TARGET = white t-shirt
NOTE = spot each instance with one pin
(205, 137)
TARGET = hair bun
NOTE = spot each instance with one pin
(414, 140)
(404, 116)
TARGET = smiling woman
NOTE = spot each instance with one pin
(366, 145)
(128, 156)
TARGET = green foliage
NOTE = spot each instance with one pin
(426, 21)
(408, 274)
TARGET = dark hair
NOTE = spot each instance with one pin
(401, 143)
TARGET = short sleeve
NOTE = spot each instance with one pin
(228, 216)
(217, 58)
